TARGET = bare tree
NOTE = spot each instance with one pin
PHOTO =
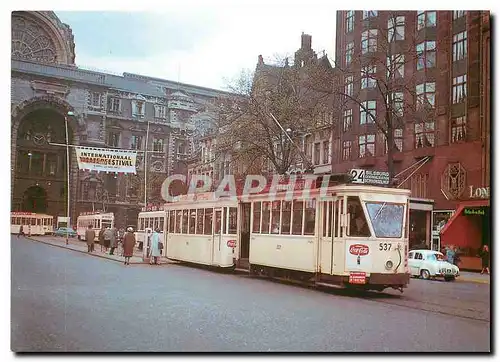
(246, 126)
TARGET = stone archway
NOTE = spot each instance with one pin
(35, 199)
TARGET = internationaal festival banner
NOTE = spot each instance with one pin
(106, 160)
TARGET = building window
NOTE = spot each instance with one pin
(95, 100)
(458, 129)
(114, 105)
(349, 52)
(317, 151)
(368, 112)
(138, 108)
(459, 89)
(396, 66)
(424, 134)
(158, 145)
(458, 14)
(369, 41)
(418, 185)
(395, 101)
(426, 94)
(346, 150)
(369, 14)
(398, 140)
(349, 19)
(326, 152)
(348, 88)
(396, 28)
(160, 111)
(366, 145)
(114, 139)
(459, 46)
(136, 142)
(426, 55)
(426, 19)
(347, 120)
(368, 77)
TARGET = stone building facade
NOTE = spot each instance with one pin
(109, 111)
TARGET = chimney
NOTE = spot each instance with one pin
(306, 41)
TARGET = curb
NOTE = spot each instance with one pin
(81, 251)
(477, 281)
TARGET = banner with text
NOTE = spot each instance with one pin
(106, 160)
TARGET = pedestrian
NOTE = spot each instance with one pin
(155, 253)
(450, 254)
(485, 259)
(101, 238)
(107, 238)
(113, 241)
(89, 237)
(21, 232)
(128, 245)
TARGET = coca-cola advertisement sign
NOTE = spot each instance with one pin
(359, 249)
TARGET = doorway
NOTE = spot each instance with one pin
(35, 200)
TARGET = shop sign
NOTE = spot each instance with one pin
(469, 211)
(479, 192)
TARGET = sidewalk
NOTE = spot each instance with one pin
(471, 277)
(81, 246)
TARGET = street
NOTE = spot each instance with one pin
(68, 301)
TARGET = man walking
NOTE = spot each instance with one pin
(89, 237)
(21, 232)
(113, 241)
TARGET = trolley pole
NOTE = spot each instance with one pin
(145, 243)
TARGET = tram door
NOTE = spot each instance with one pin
(217, 237)
(327, 227)
(244, 240)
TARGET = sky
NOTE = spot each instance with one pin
(205, 45)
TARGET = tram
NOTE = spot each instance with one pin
(33, 224)
(96, 219)
(346, 235)
(147, 222)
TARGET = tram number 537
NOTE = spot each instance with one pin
(384, 246)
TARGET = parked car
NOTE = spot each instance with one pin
(62, 232)
(431, 264)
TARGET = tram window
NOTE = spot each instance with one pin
(310, 217)
(217, 226)
(224, 220)
(358, 224)
(192, 221)
(233, 220)
(410, 256)
(386, 218)
(178, 222)
(162, 224)
(208, 221)
(13, 221)
(33, 221)
(331, 221)
(157, 222)
(266, 215)
(171, 227)
(23, 221)
(141, 223)
(275, 217)
(199, 221)
(286, 217)
(185, 218)
(298, 211)
(256, 217)
(326, 215)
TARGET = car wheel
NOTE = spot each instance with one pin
(449, 279)
(424, 273)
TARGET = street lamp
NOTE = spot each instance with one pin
(69, 114)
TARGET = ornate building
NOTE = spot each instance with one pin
(109, 111)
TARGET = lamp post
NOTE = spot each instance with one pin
(69, 114)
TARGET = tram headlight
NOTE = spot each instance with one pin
(389, 264)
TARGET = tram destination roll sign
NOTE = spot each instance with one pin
(361, 176)
(106, 160)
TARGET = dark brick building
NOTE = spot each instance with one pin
(439, 61)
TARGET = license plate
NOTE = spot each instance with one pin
(357, 278)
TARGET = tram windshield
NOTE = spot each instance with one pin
(386, 219)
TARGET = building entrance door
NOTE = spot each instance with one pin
(35, 200)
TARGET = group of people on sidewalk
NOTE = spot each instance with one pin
(110, 237)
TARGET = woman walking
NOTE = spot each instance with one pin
(128, 245)
(485, 259)
(154, 255)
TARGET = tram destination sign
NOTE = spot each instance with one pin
(361, 176)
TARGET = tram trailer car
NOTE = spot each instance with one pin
(97, 220)
(353, 236)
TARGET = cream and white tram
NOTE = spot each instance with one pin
(202, 231)
(33, 224)
(96, 219)
(344, 235)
